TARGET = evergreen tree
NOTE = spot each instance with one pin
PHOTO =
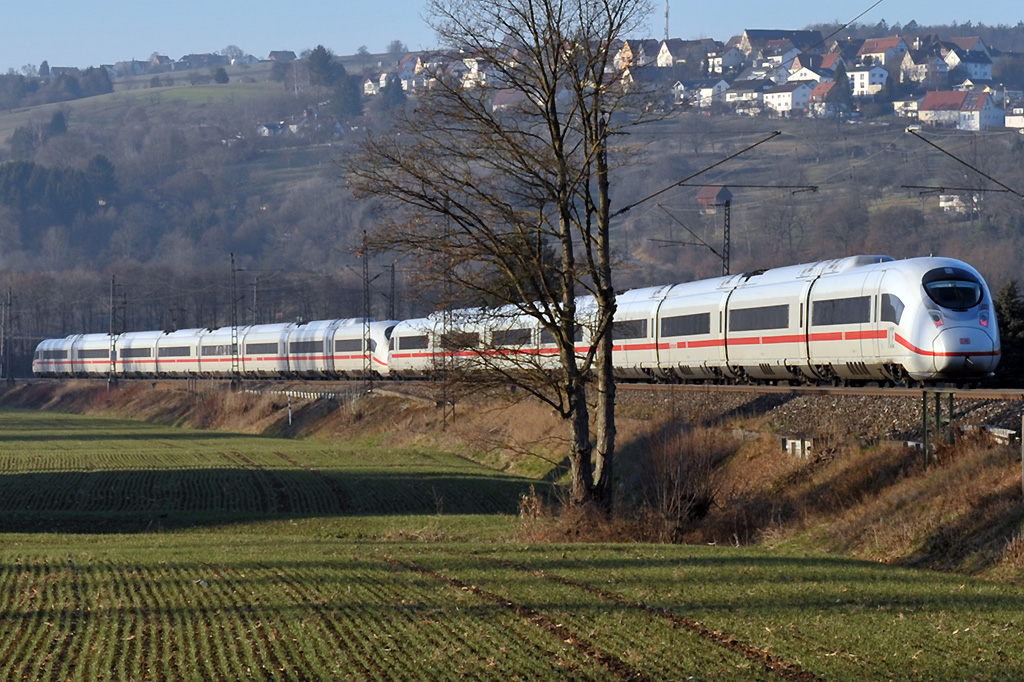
(392, 95)
(322, 68)
(1010, 315)
(347, 100)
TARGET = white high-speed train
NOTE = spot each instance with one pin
(855, 319)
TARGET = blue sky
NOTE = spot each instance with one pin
(77, 33)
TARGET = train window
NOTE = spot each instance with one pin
(456, 340)
(136, 352)
(548, 339)
(348, 346)
(55, 355)
(93, 353)
(853, 310)
(387, 332)
(260, 348)
(307, 347)
(412, 342)
(953, 288)
(892, 308)
(222, 349)
(511, 337)
(686, 325)
(629, 329)
(174, 352)
(765, 317)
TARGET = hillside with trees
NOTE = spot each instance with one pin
(153, 186)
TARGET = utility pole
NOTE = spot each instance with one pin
(112, 333)
(447, 344)
(5, 342)
(234, 320)
(367, 359)
(726, 238)
(391, 298)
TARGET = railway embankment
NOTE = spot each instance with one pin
(859, 484)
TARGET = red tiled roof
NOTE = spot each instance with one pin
(942, 100)
(879, 45)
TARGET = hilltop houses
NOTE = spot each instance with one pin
(939, 81)
(774, 72)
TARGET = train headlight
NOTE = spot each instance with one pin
(983, 318)
(936, 317)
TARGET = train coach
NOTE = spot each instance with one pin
(848, 320)
(322, 349)
(855, 319)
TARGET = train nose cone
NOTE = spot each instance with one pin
(965, 350)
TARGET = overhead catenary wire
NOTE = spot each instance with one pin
(956, 158)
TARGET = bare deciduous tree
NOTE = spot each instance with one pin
(499, 180)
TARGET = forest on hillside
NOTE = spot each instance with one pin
(125, 209)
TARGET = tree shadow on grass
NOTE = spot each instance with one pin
(130, 501)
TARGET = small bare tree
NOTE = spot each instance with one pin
(498, 179)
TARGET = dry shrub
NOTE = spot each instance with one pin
(555, 520)
(678, 478)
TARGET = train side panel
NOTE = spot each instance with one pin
(690, 327)
(177, 353)
(263, 350)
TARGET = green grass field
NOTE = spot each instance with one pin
(132, 551)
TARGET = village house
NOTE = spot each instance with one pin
(866, 81)
(637, 53)
(1015, 116)
(701, 93)
(962, 110)
(975, 65)
(752, 41)
(882, 51)
(677, 52)
(789, 99)
(926, 67)
(808, 73)
(823, 102)
(746, 97)
(726, 60)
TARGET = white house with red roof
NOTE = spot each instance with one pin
(962, 110)
(824, 100)
(882, 50)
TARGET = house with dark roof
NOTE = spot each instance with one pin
(969, 64)
(747, 96)
(789, 99)
(924, 66)
(754, 39)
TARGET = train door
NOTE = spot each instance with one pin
(872, 332)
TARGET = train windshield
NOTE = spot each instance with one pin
(953, 288)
